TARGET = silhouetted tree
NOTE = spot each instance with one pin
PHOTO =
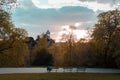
(106, 29)
(43, 58)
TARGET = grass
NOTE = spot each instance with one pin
(60, 76)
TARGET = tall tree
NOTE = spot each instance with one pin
(69, 39)
(8, 32)
(58, 51)
(106, 29)
(40, 55)
(11, 39)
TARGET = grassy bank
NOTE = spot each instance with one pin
(60, 76)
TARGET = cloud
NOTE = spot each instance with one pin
(95, 5)
(53, 17)
(102, 1)
(85, 24)
(37, 20)
(37, 16)
(25, 4)
(67, 30)
(45, 4)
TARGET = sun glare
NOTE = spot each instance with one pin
(80, 34)
(77, 24)
(67, 30)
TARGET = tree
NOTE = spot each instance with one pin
(6, 25)
(69, 39)
(39, 44)
(40, 55)
(17, 56)
(58, 51)
(8, 32)
(5, 28)
(106, 29)
(43, 58)
(13, 49)
(19, 33)
(81, 53)
(7, 4)
(31, 44)
(46, 36)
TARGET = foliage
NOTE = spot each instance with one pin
(16, 56)
(6, 25)
(58, 50)
(40, 55)
(43, 58)
(106, 37)
(13, 50)
(103, 50)
(69, 39)
(7, 4)
(8, 31)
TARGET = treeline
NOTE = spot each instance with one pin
(39, 54)
(101, 50)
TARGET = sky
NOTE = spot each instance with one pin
(38, 16)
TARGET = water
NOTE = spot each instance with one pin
(59, 70)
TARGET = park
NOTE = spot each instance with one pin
(59, 40)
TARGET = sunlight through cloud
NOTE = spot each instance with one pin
(67, 30)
